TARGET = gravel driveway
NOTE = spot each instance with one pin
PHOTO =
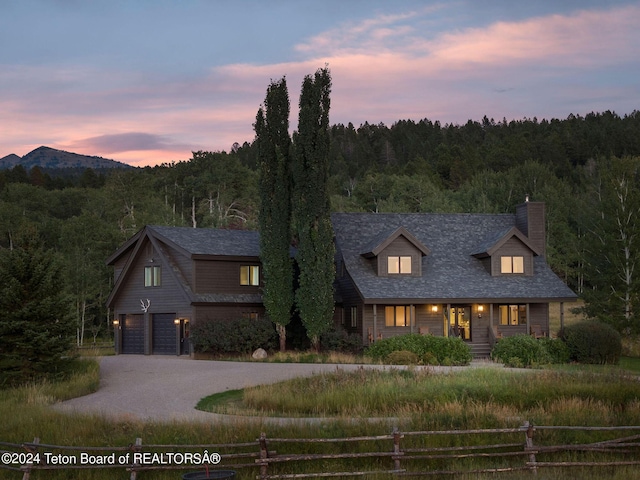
(166, 388)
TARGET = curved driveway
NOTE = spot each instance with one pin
(166, 388)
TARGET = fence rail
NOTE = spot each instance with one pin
(419, 457)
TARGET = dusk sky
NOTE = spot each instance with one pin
(146, 82)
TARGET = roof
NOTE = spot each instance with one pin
(450, 272)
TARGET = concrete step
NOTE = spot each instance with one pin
(480, 350)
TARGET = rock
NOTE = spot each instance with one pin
(259, 354)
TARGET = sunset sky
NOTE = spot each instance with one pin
(146, 82)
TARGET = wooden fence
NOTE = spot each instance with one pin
(404, 454)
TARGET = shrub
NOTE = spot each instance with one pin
(242, 335)
(452, 350)
(339, 340)
(592, 342)
(402, 357)
(520, 350)
(556, 349)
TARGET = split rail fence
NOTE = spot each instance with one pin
(424, 453)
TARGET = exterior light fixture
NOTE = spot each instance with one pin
(176, 321)
(480, 310)
(116, 323)
(434, 308)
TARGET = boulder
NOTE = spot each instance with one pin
(259, 354)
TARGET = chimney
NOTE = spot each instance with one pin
(530, 221)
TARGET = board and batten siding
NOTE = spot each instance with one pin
(223, 276)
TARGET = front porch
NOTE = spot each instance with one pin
(479, 324)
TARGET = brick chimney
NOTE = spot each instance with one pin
(530, 221)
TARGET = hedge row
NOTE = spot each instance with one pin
(241, 335)
(429, 350)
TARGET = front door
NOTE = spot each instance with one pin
(460, 317)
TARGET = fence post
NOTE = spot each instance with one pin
(264, 454)
(396, 448)
(135, 448)
(27, 467)
(530, 447)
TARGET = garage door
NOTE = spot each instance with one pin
(133, 334)
(163, 329)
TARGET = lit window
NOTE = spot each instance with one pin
(250, 275)
(398, 316)
(399, 264)
(513, 314)
(152, 276)
(354, 317)
(511, 264)
(251, 315)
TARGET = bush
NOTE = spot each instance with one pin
(339, 340)
(402, 357)
(520, 350)
(556, 349)
(242, 335)
(592, 342)
(451, 350)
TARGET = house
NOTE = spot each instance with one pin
(474, 276)
(167, 277)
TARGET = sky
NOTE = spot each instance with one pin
(149, 81)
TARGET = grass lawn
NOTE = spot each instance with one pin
(490, 398)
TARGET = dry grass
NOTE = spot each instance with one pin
(570, 315)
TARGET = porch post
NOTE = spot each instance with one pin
(411, 318)
(448, 318)
(375, 322)
(561, 316)
(528, 324)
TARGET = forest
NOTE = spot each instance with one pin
(586, 169)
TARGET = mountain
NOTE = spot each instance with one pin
(50, 158)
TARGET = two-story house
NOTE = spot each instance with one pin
(168, 277)
(476, 276)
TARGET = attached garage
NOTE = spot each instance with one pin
(133, 334)
(163, 334)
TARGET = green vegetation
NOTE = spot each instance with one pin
(235, 336)
(490, 398)
(526, 351)
(275, 182)
(592, 342)
(311, 209)
(428, 349)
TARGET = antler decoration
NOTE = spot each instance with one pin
(145, 307)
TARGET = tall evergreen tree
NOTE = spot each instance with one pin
(34, 325)
(274, 142)
(311, 211)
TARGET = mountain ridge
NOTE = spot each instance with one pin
(51, 158)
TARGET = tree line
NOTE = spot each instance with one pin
(586, 169)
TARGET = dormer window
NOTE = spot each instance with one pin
(250, 275)
(512, 264)
(399, 265)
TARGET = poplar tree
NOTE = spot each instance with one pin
(311, 210)
(274, 142)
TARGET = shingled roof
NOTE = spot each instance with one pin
(450, 273)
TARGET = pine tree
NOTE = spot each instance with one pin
(311, 210)
(273, 142)
(36, 332)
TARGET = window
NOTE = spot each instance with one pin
(399, 264)
(511, 264)
(513, 314)
(398, 316)
(152, 276)
(250, 275)
(251, 315)
(354, 317)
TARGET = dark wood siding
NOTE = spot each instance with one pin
(513, 247)
(223, 276)
(530, 220)
(226, 312)
(400, 247)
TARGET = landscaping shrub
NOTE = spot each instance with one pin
(242, 335)
(557, 350)
(445, 350)
(520, 351)
(402, 357)
(339, 340)
(592, 342)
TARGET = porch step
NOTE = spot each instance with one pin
(480, 350)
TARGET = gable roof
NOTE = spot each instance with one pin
(450, 272)
(493, 242)
(195, 243)
(382, 241)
